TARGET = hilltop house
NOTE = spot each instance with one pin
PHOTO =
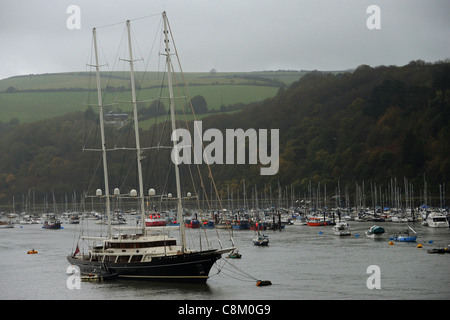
(115, 118)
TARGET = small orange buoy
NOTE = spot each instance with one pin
(419, 246)
(391, 243)
(32, 251)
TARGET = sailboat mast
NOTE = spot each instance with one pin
(136, 129)
(172, 115)
(102, 132)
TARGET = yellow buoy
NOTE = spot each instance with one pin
(391, 243)
(419, 246)
(32, 251)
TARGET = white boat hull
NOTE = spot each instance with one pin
(374, 235)
(342, 229)
(437, 220)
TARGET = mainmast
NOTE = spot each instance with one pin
(136, 130)
(102, 132)
(172, 115)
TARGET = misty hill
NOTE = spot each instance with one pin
(369, 125)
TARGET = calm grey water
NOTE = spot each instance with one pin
(301, 262)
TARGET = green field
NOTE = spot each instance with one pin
(36, 97)
(116, 78)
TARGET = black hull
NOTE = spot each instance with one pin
(189, 267)
(52, 226)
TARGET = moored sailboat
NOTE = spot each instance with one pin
(52, 223)
(261, 240)
(405, 236)
(146, 253)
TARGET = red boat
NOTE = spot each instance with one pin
(155, 220)
(192, 223)
(258, 226)
(316, 222)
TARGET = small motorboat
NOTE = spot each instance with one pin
(439, 250)
(208, 224)
(375, 232)
(192, 223)
(6, 225)
(235, 255)
(437, 220)
(342, 229)
(261, 240)
(32, 251)
(316, 222)
(155, 220)
(99, 277)
(52, 223)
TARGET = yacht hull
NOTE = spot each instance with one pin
(188, 267)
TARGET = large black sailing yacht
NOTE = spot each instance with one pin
(151, 253)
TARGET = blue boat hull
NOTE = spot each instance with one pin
(405, 239)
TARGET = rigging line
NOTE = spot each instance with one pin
(123, 22)
(121, 175)
(89, 58)
(128, 173)
(149, 55)
(166, 182)
(155, 125)
(209, 204)
(190, 171)
(146, 17)
(91, 161)
(229, 275)
(113, 66)
(203, 147)
(242, 271)
(136, 44)
(195, 118)
(94, 170)
(164, 125)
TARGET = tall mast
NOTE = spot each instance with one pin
(136, 129)
(172, 115)
(102, 131)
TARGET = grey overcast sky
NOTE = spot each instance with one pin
(229, 35)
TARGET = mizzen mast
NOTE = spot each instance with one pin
(172, 115)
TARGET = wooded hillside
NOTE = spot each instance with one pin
(369, 125)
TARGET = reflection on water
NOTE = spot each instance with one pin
(157, 290)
